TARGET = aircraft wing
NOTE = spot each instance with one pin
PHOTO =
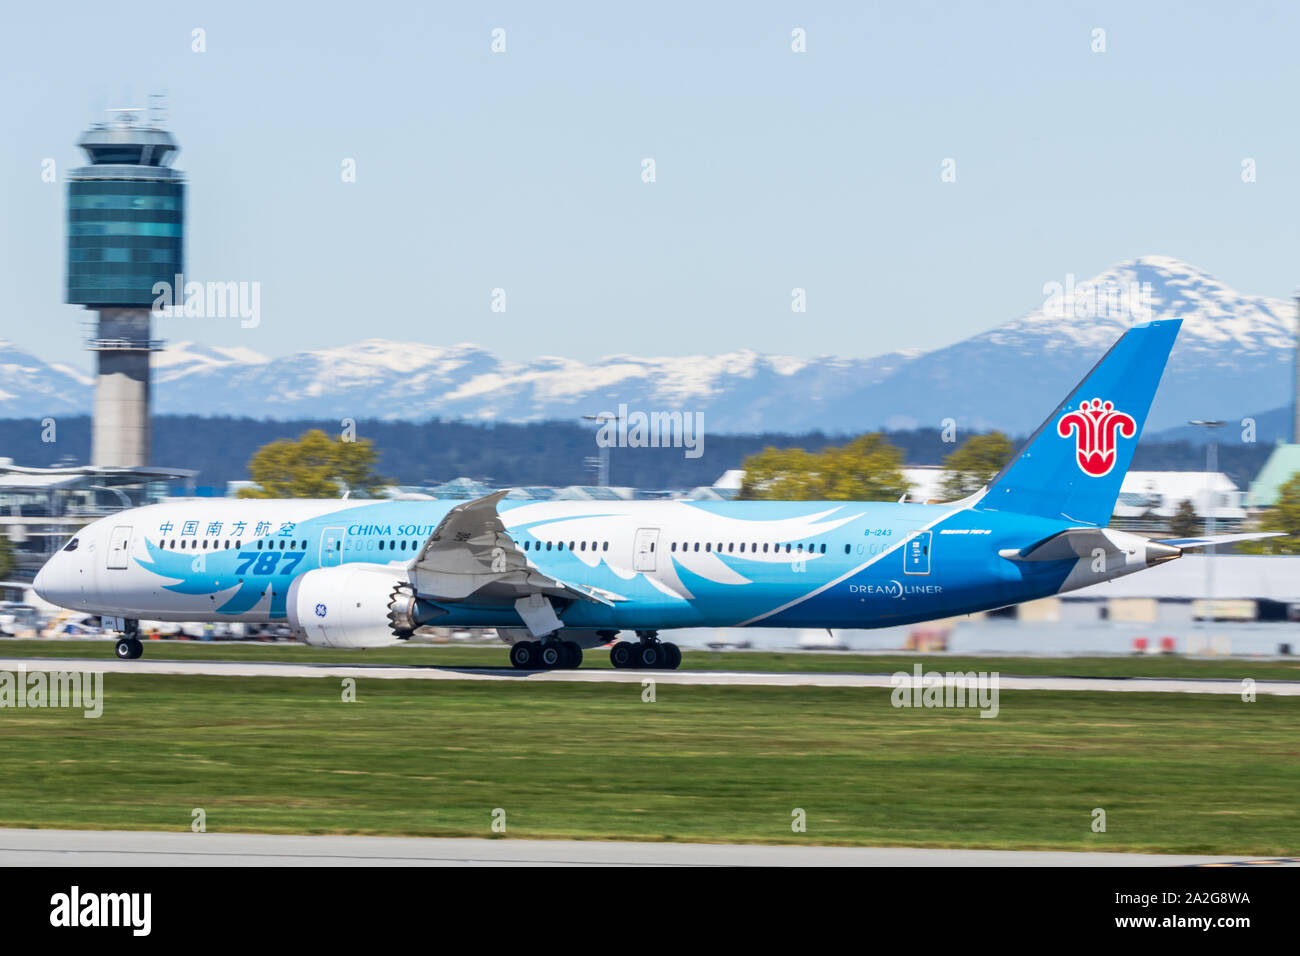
(470, 554)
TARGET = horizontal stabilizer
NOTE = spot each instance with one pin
(1217, 539)
(1075, 543)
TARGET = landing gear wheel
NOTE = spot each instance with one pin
(652, 655)
(128, 649)
(672, 656)
(551, 655)
(524, 656)
(572, 655)
(620, 655)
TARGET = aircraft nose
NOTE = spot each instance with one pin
(45, 584)
(39, 583)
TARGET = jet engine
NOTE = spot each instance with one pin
(356, 605)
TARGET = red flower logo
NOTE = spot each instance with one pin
(1097, 427)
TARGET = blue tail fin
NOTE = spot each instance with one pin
(1073, 465)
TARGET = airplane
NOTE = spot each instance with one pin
(556, 578)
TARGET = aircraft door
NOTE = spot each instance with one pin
(331, 547)
(643, 549)
(916, 554)
(119, 548)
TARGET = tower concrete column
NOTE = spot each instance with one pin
(121, 433)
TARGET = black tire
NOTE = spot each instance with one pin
(620, 655)
(572, 655)
(123, 650)
(672, 656)
(523, 655)
(651, 655)
(552, 655)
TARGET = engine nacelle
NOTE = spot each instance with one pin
(347, 606)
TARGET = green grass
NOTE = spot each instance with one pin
(1174, 772)
(803, 661)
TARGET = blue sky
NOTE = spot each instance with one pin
(775, 170)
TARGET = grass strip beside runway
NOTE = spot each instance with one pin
(1174, 772)
(779, 661)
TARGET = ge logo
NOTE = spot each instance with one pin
(320, 610)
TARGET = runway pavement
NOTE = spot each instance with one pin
(153, 848)
(603, 675)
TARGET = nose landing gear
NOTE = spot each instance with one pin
(129, 646)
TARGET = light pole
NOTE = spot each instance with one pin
(1211, 507)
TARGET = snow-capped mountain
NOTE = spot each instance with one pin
(739, 391)
(32, 388)
(1234, 357)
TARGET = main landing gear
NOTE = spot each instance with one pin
(129, 646)
(545, 655)
(648, 652)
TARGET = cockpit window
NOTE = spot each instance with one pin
(71, 545)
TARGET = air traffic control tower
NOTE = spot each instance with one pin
(126, 218)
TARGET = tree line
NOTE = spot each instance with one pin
(539, 453)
